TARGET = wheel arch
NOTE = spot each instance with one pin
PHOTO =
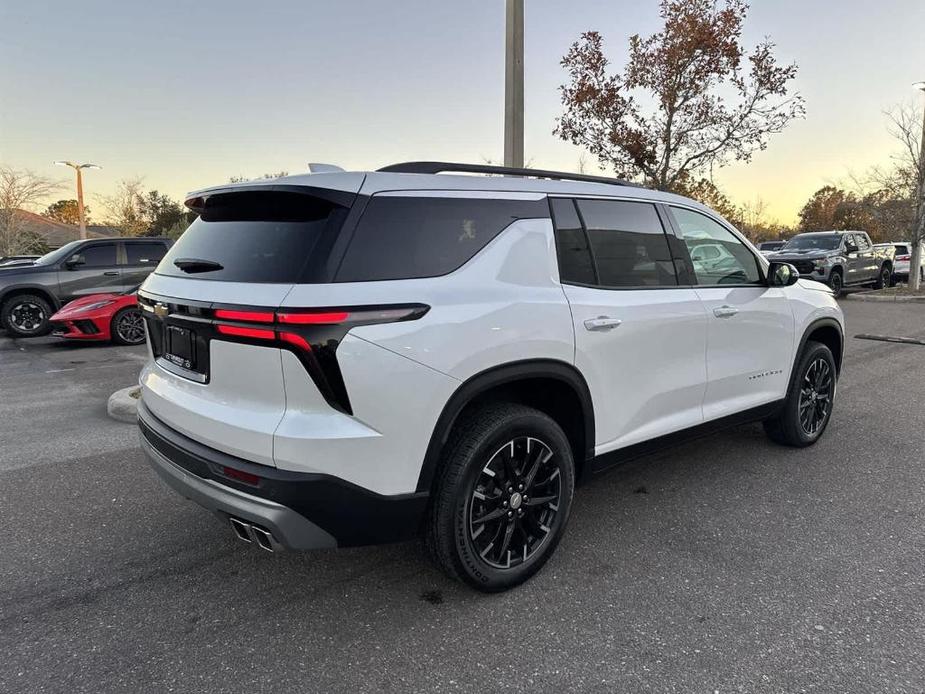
(554, 387)
(36, 289)
(829, 332)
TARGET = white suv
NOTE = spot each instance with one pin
(350, 358)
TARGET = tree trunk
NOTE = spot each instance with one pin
(918, 231)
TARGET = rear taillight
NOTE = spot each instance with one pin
(238, 331)
(248, 316)
(313, 335)
(904, 257)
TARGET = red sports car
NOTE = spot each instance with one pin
(103, 317)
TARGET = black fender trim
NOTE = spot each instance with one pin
(492, 378)
(812, 327)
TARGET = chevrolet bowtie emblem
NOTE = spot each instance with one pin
(161, 310)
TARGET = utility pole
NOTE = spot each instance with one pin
(514, 84)
(918, 231)
(80, 192)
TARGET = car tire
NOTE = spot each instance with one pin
(837, 283)
(884, 278)
(514, 465)
(808, 407)
(26, 315)
(125, 325)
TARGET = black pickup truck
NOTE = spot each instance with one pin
(30, 294)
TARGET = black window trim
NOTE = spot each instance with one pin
(761, 263)
(666, 230)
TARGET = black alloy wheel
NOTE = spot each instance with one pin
(514, 502)
(816, 395)
(26, 315)
(502, 497)
(807, 409)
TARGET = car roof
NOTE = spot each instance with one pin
(372, 182)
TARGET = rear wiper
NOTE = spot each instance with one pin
(197, 265)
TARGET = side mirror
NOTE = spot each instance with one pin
(74, 261)
(782, 275)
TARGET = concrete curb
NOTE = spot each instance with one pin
(870, 296)
(122, 406)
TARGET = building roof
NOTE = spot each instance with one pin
(55, 234)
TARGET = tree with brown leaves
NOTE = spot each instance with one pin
(691, 97)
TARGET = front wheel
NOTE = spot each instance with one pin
(26, 315)
(808, 407)
(884, 279)
(503, 497)
(836, 283)
(128, 327)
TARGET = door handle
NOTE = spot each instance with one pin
(602, 323)
(725, 311)
(111, 273)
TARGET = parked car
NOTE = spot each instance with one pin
(839, 258)
(386, 354)
(903, 260)
(29, 295)
(769, 247)
(102, 317)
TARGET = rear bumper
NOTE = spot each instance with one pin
(300, 510)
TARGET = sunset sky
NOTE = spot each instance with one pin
(188, 94)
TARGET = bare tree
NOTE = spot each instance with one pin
(907, 126)
(20, 190)
(689, 99)
(123, 209)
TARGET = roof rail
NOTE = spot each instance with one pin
(433, 167)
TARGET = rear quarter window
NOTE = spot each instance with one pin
(405, 237)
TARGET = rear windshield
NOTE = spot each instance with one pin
(254, 236)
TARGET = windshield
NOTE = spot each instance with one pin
(823, 243)
(58, 254)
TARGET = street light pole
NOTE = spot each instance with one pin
(514, 84)
(80, 192)
(918, 231)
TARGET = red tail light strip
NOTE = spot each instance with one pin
(313, 318)
(247, 316)
(238, 331)
(296, 340)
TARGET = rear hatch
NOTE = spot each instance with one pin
(211, 305)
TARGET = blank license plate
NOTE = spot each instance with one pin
(181, 347)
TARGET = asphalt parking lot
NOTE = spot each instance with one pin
(725, 565)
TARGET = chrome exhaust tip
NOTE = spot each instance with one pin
(252, 534)
(239, 528)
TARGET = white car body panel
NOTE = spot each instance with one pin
(750, 347)
(647, 376)
(236, 412)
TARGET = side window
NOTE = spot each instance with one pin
(718, 256)
(403, 237)
(628, 244)
(145, 253)
(101, 255)
(862, 242)
(575, 263)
